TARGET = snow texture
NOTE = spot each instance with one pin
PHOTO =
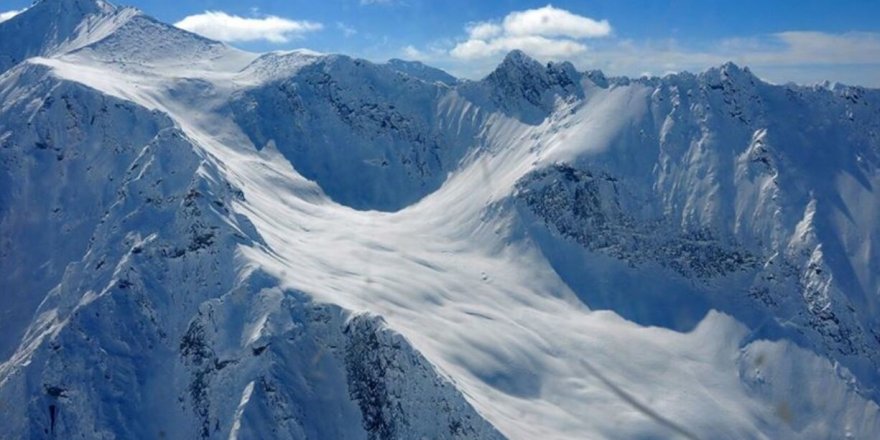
(200, 242)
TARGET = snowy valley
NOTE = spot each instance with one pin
(202, 242)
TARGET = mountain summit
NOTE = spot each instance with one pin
(201, 242)
(54, 26)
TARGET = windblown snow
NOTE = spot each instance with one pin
(200, 242)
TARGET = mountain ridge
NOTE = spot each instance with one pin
(543, 252)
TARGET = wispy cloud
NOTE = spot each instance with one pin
(824, 48)
(9, 14)
(346, 30)
(411, 53)
(800, 56)
(221, 26)
(547, 32)
(552, 34)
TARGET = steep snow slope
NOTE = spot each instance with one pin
(760, 207)
(295, 245)
(370, 137)
(62, 144)
(57, 26)
(160, 311)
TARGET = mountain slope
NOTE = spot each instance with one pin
(53, 26)
(296, 245)
(720, 182)
(421, 71)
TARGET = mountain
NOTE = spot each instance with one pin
(421, 71)
(52, 26)
(200, 242)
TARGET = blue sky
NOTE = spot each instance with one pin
(804, 41)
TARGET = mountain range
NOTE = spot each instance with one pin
(202, 242)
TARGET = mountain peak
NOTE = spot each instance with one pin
(730, 68)
(48, 27)
(730, 71)
(516, 54)
(528, 89)
(519, 59)
(263, 246)
(517, 67)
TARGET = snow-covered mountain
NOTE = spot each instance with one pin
(200, 242)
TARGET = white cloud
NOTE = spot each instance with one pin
(805, 57)
(221, 26)
(784, 49)
(376, 2)
(436, 52)
(539, 46)
(553, 22)
(545, 32)
(411, 53)
(802, 56)
(483, 30)
(824, 48)
(549, 33)
(9, 14)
